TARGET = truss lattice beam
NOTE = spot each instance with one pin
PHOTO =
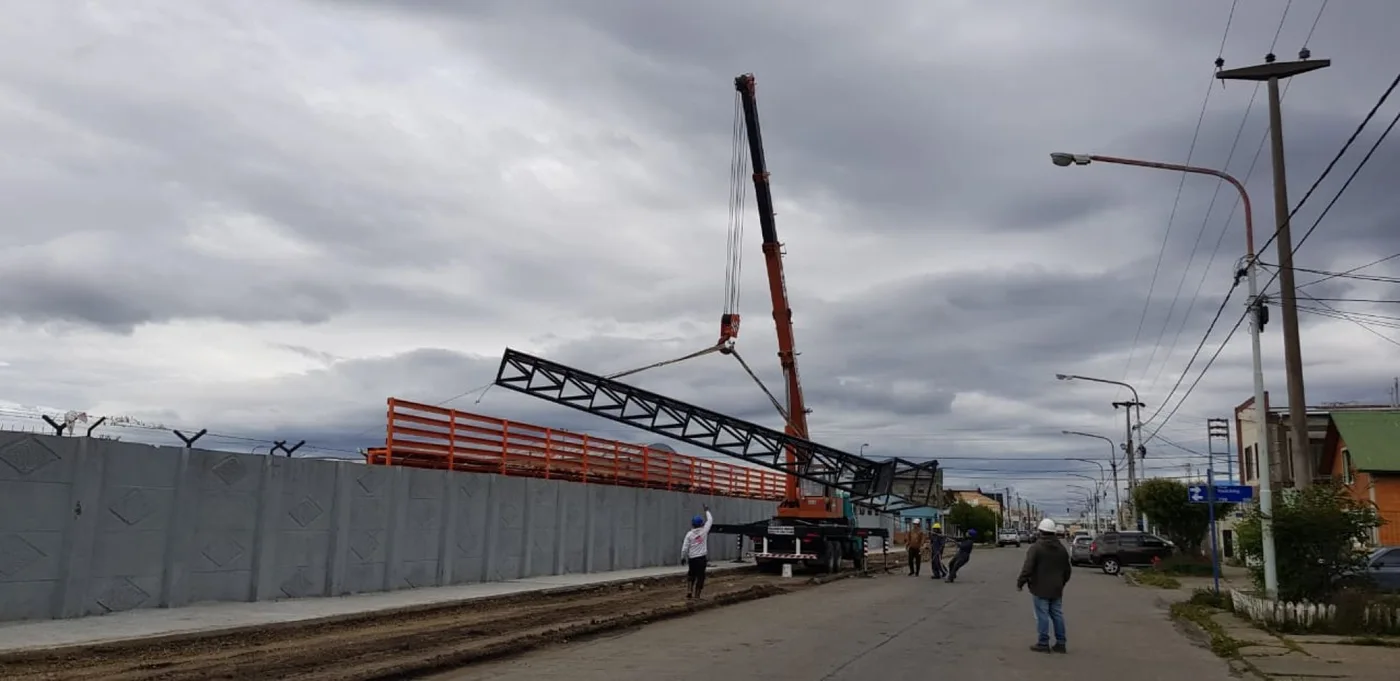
(862, 478)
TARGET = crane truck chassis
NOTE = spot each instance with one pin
(822, 546)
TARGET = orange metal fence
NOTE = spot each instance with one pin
(424, 436)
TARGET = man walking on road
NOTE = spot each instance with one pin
(1047, 570)
(914, 546)
(695, 553)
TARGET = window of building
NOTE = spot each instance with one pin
(1251, 463)
(1346, 467)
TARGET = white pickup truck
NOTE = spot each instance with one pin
(1008, 538)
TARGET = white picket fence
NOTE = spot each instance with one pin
(1379, 618)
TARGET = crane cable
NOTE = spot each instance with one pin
(739, 177)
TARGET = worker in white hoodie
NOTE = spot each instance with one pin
(695, 553)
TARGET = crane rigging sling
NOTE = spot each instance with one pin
(734, 267)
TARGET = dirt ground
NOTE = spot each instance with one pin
(395, 645)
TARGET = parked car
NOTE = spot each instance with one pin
(1027, 537)
(1008, 538)
(1079, 550)
(1382, 569)
(1113, 551)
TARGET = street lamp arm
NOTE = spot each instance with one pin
(1077, 377)
(1177, 167)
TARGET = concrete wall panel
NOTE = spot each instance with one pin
(95, 526)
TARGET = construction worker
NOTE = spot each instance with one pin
(914, 546)
(963, 555)
(1046, 571)
(695, 553)
(937, 541)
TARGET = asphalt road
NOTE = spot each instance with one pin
(891, 627)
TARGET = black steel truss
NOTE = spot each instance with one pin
(863, 479)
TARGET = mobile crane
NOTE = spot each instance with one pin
(816, 523)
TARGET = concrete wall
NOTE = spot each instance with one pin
(92, 526)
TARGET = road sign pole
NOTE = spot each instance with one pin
(1214, 548)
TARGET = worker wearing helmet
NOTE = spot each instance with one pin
(914, 547)
(963, 555)
(695, 553)
(936, 542)
(1046, 571)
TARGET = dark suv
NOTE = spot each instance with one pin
(1113, 551)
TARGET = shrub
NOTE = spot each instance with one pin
(1169, 505)
(1209, 598)
(1316, 535)
(1186, 566)
(1157, 579)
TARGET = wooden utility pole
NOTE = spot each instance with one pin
(1272, 72)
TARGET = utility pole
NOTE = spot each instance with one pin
(1135, 517)
(1272, 72)
(1219, 429)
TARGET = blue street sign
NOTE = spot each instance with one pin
(1224, 494)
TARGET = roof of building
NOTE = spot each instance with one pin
(1372, 438)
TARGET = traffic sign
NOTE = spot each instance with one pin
(1224, 494)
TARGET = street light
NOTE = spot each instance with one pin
(1127, 416)
(1266, 498)
(1112, 461)
(1094, 496)
(862, 448)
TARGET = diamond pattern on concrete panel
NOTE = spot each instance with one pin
(133, 507)
(298, 585)
(306, 512)
(17, 554)
(121, 594)
(363, 545)
(221, 552)
(231, 470)
(27, 455)
(370, 483)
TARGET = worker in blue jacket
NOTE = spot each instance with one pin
(936, 542)
(964, 554)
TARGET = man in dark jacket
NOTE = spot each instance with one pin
(963, 555)
(1046, 571)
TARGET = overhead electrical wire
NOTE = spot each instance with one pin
(1176, 202)
(1215, 195)
(1321, 216)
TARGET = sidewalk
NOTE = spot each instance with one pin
(152, 622)
(209, 617)
(1273, 656)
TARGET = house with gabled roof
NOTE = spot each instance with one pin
(1362, 452)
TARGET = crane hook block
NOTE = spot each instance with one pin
(728, 327)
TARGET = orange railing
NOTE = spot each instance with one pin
(424, 436)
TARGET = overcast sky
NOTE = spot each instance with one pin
(266, 217)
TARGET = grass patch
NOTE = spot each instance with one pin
(1211, 599)
(1156, 579)
(1220, 641)
(1371, 641)
(1185, 566)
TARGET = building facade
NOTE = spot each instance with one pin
(1363, 455)
(1281, 461)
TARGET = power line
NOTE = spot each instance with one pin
(1321, 216)
(1171, 217)
(1199, 346)
(1200, 233)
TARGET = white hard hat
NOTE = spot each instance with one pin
(1047, 526)
(916, 521)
